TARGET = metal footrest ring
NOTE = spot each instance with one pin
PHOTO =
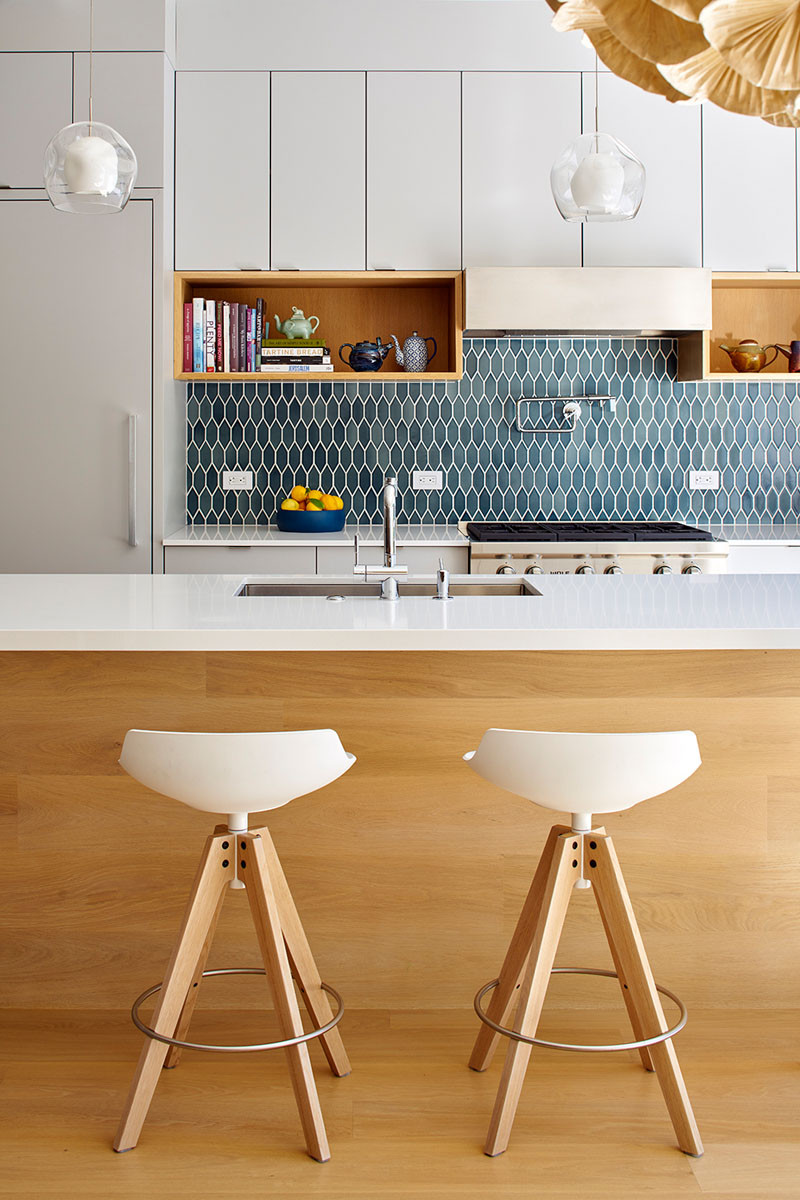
(281, 1045)
(532, 1041)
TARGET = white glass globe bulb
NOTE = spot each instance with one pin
(90, 166)
(598, 183)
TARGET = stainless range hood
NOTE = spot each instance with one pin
(581, 301)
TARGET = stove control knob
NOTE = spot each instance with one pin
(662, 569)
(506, 570)
(585, 569)
(536, 569)
(691, 569)
(614, 569)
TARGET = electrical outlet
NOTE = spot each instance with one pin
(237, 481)
(427, 481)
(703, 481)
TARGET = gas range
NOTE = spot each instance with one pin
(593, 548)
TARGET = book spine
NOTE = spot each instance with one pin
(294, 368)
(249, 339)
(226, 336)
(294, 351)
(218, 351)
(211, 334)
(234, 337)
(198, 331)
(311, 363)
(259, 331)
(188, 336)
(284, 342)
(242, 337)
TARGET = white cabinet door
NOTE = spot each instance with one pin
(318, 176)
(75, 344)
(235, 560)
(666, 137)
(414, 170)
(36, 101)
(749, 194)
(513, 128)
(221, 170)
(129, 94)
(763, 558)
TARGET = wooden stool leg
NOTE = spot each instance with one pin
(502, 998)
(628, 951)
(301, 960)
(209, 881)
(185, 1019)
(633, 1016)
(555, 899)
(256, 876)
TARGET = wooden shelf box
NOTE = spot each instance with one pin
(352, 306)
(763, 305)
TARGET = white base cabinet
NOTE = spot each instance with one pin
(763, 558)
(240, 560)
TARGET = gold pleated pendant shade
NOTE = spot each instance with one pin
(651, 31)
(688, 9)
(707, 76)
(758, 38)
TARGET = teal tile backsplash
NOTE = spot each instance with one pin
(627, 465)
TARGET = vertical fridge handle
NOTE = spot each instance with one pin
(133, 539)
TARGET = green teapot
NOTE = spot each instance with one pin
(298, 325)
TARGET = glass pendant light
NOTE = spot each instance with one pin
(88, 166)
(596, 177)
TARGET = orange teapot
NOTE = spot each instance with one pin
(748, 355)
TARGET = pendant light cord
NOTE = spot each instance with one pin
(91, 59)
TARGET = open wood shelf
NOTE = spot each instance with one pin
(352, 306)
(763, 305)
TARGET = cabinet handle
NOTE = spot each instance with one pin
(133, 539)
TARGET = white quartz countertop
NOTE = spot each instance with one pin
(269, 535)
(203, 612)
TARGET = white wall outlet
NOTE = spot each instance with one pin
(237, 481)
(703, 481)
(427, 481)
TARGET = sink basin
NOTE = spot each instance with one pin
(462, 586)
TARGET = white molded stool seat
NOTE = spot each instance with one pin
(235, 772)
(580, 773)
(585, 772)
(238, 773)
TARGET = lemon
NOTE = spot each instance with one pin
(329, 503)
(297, 493)
(290, 504)
(313, 494)
(313, 505)
(339, 501)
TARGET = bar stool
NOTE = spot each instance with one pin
(580, 773)
(245, 772)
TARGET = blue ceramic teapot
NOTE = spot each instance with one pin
(365, 356)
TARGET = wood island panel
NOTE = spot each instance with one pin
(409, 871)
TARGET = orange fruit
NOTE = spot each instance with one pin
(329, 503)
(313, 494)
(339, 501)
(313, 505)
(290, 504)
(297, 493)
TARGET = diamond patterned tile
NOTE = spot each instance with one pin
(628, 465)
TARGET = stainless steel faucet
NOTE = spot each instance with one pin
(442, 582)
(390, 570)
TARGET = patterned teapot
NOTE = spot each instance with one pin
(748, 355)
(414, 355)
(298, 325)
(365, 356)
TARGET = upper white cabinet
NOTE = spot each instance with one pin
(749, 194)
(36, 100)
(221, 214)
(666, 137)
(130, 94)
(318, 170)
(514, 125)
(414, 170)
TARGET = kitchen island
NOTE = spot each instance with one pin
(408, 872)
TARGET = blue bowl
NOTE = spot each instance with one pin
(294, 521)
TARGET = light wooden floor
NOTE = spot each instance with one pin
(409, 1121)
